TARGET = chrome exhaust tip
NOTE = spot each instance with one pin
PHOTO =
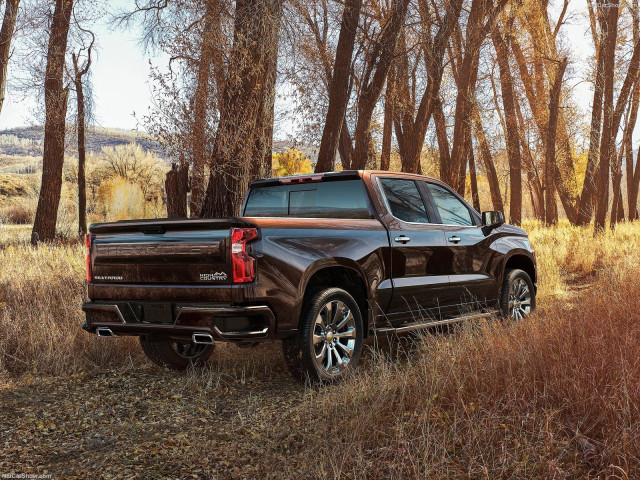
(202, 339)
(104, 332)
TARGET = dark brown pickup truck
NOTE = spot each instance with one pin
(317, 261)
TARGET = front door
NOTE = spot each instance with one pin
(469, 254)
(419, 267)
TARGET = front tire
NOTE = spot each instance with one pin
(329, 340)
(518, 297)
(176, 355)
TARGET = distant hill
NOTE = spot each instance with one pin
(28, 141)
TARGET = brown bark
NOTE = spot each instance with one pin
(441, 135)
(339, 86)
(245, 112)
(81, 126)
(55, 97)
(585, 207)
(201, 100)
(6, 35)
(533, 178)
(609, 129)
(487, 161)
(617, 205)
(346, 146)
(176, 186)
(537, 96)
(551, 210)
(413, 129)
(475, 195)
(387, 128)
(633, 178)
(511, 134)
(374, 79)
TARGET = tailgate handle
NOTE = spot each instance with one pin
(153, 229)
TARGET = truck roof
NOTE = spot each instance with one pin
(319, 177)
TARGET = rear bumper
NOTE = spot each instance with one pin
(164, 320)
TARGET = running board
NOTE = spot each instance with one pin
(434, 323)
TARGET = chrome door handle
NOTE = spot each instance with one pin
(454, 239)
(402, 239)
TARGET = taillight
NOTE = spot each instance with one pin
(243, 264)
(87, 241)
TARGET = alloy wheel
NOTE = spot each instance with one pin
(334, 337)
(519, 299)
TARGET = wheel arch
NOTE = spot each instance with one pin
(342, 275)
(523, 262)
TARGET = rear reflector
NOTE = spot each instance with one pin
(87, 241)
(243, 263)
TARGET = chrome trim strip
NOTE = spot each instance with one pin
(434, 323)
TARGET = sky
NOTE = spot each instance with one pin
(120, 76)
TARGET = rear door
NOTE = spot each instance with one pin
(468, 255)
(419, 270)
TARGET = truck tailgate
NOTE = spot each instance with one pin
(164, 251)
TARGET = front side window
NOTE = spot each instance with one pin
(452, 210)
(404, 200)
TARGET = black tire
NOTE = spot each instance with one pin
(177, 355)
(516, 301)
(339, 337)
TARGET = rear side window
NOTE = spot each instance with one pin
(334, 199)
(452, 211)
(404, 200)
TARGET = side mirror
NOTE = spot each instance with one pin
(492, 219)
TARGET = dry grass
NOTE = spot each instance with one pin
(557, 396)
(41, 290)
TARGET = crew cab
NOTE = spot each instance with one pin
(318, 261)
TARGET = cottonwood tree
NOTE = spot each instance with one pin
(242, 144)
(55, 96)
(6, 35)
(81, 61)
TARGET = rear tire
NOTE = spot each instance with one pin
(176, 355)
(518, 297)
(329, 340)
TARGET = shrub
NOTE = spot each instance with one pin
(18, 213)
(120, 199)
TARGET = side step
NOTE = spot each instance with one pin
(434, 323)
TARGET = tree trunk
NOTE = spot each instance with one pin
(242, 115)
(413, 130)
(475, 196)
(374, 79)
(6, 34)
(487, 160)
(585, 208)
(201, 101)
(346, 146)
(512, 137)
(176, 187)
(607, 143)
(55, 98)
(82, 189)
(339, 86)
(387, 130)
(441, 135)
(551, 209)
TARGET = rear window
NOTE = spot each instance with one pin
(335, 199)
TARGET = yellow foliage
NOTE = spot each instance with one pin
(290, 162)
(120, 199)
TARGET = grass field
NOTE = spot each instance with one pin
(556, 396)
